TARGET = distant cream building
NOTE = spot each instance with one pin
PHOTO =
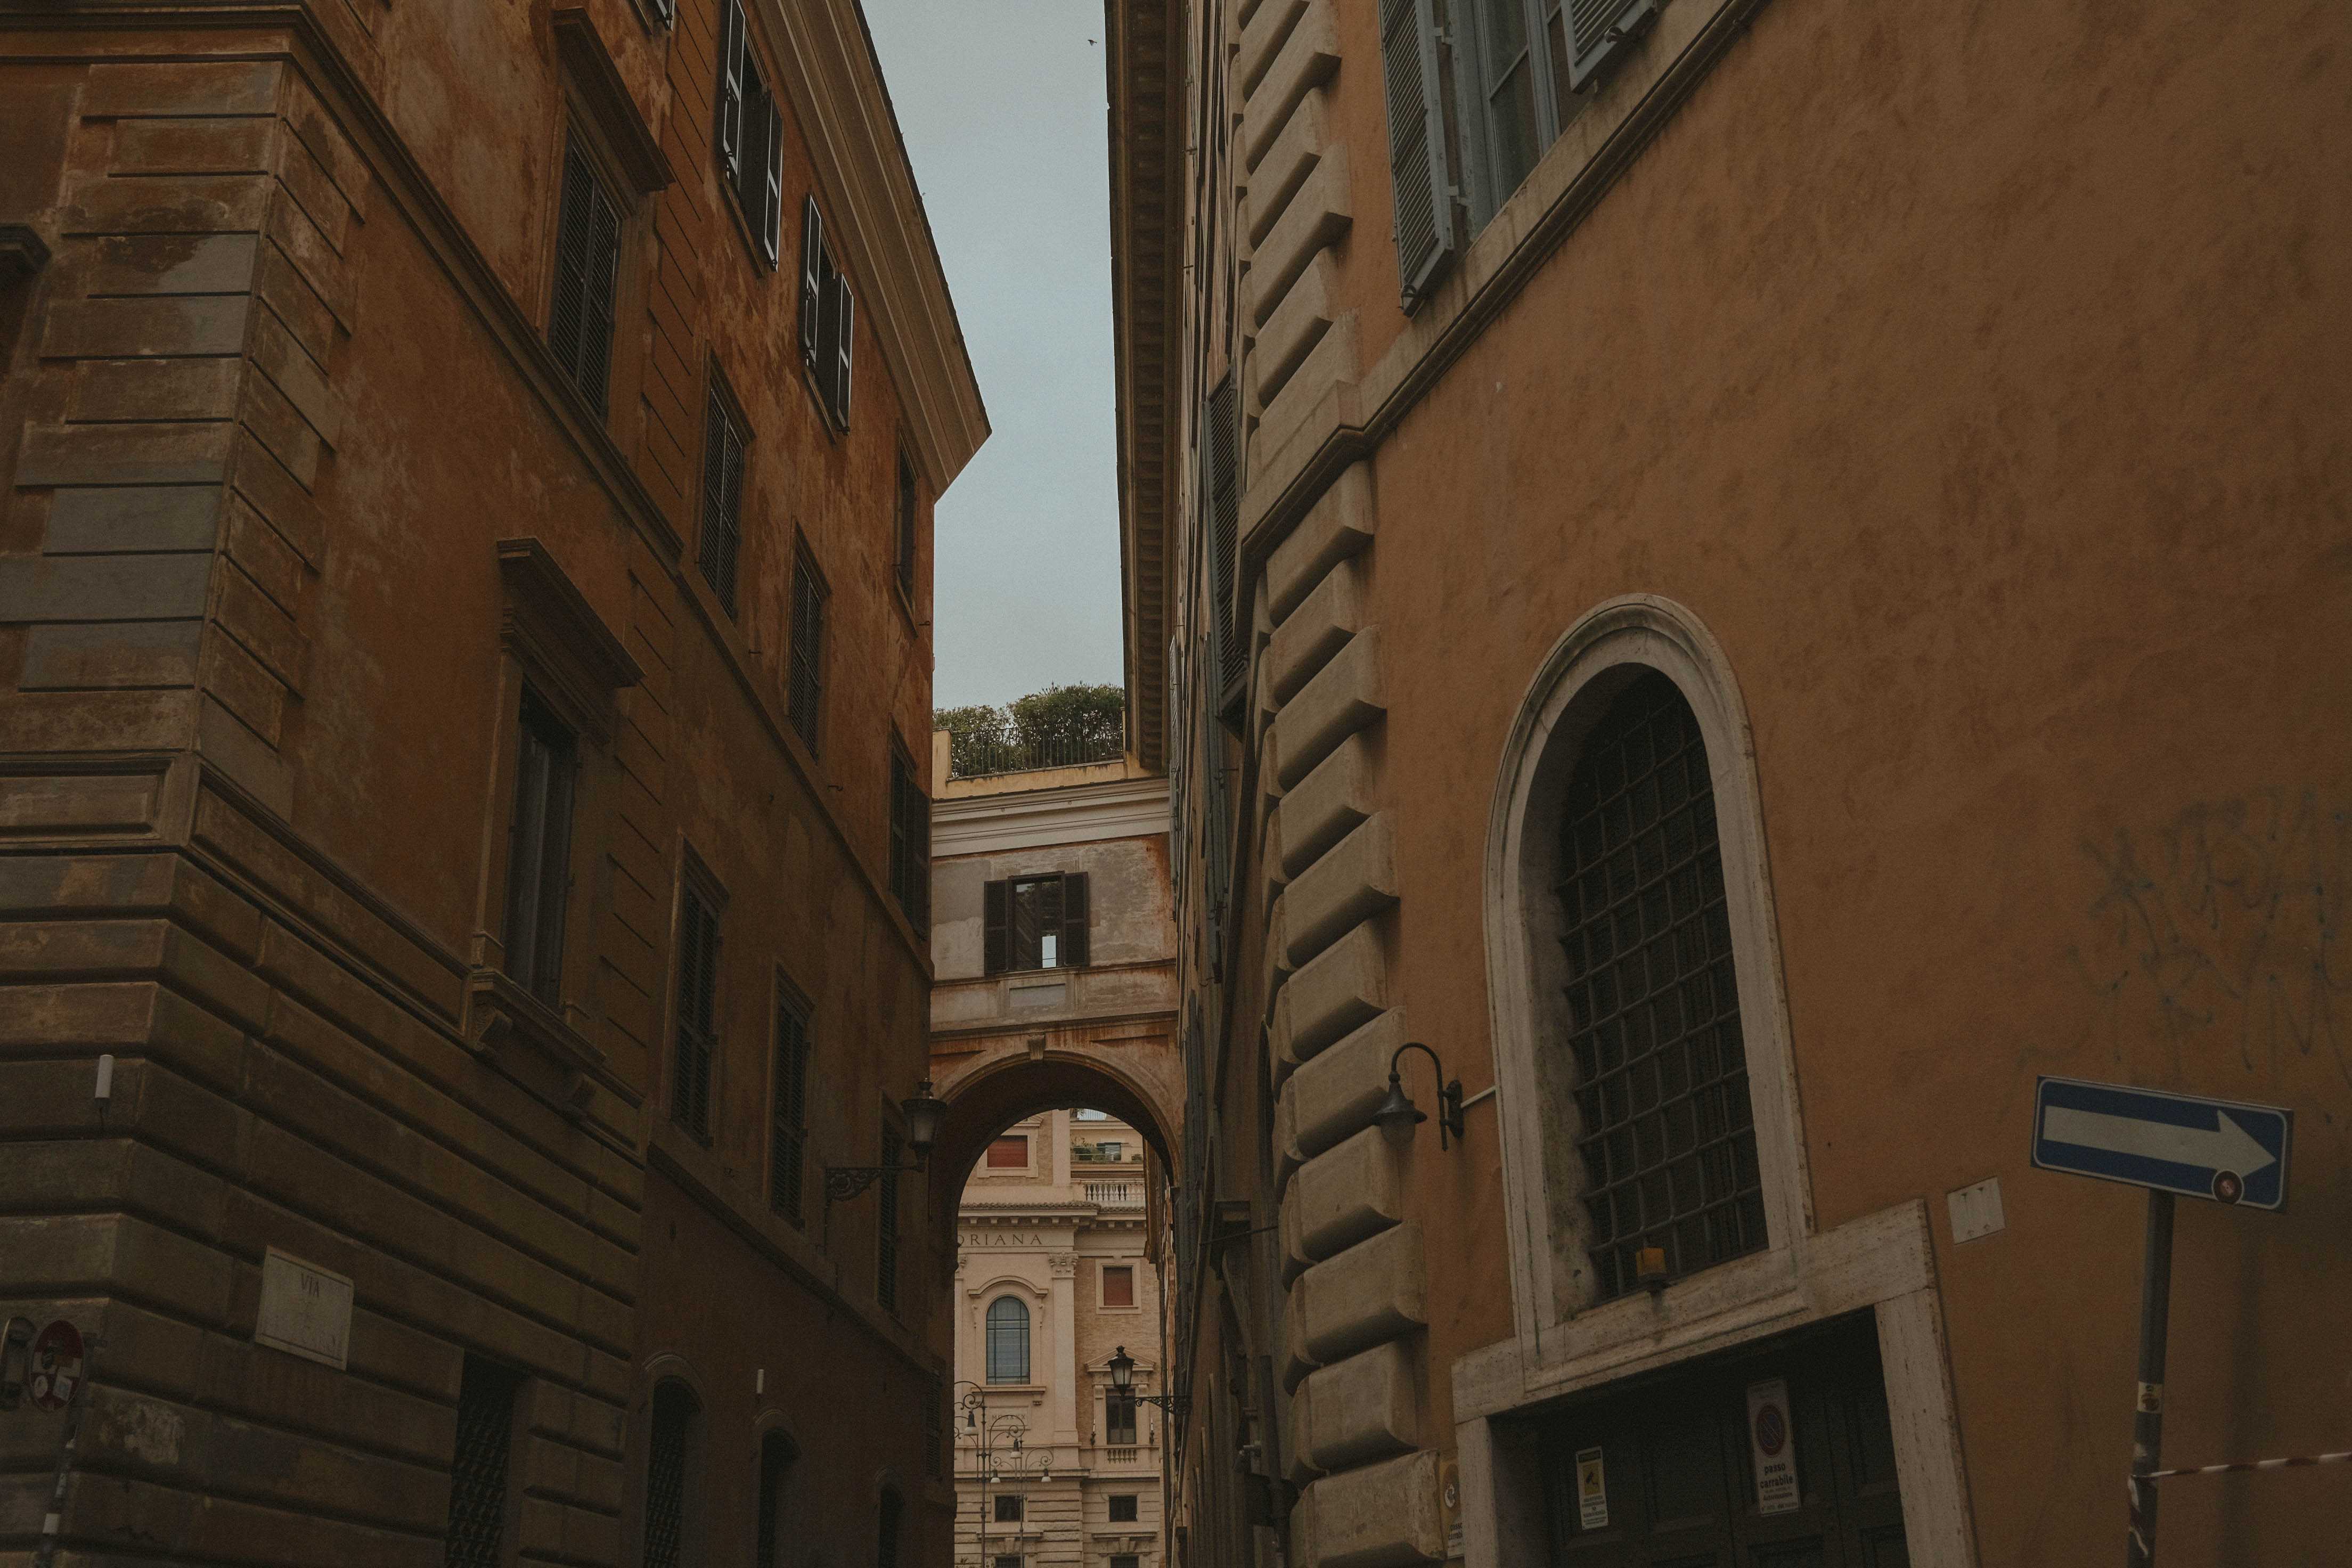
(1054, 953)
(1051, 1280)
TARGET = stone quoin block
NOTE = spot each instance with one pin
(1347, 696)
(1315, 220)
(1309, 58)
(1374, 1292)
(1344, 1195)
(1326, 806)
(1266, 29)
(1320, 627)
(1353, 882)
(1334, 1096)
(1360, 1409)
(1306, 141)
(1382, 1516)
(1304, 314)
(1339, 525)
(1345, 986)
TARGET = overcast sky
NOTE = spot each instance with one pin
(1001, 105)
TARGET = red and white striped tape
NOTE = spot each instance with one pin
(2345, 1458)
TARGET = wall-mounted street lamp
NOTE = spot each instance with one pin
(1122, 1377)
(1398, 1116)
(922, 1115)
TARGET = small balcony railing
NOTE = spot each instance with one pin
(1115, 1194)
(975, 758)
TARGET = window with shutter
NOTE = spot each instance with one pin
(697, 1011)
(664, 12)
(1507, 59)
(906, 526)
(804, 689)
(788, 1119)
(886, 1239)
(842, 318)
(1418, 166)
(727, 121)
(722, 498)
(538, 851)
(587, 268)
(812, 278)
(995, 951)
(1074, 943)
(1118, 1423)
(1598, 29)
(1221, 450)
(910, 841)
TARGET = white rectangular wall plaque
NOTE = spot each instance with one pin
(1772, 1439)
(1976, 1211)
(305, 1310)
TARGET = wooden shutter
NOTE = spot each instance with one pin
(667, 11)
(587, 260)
(811, 263)
(729, 116)
(722, 502)
(844, 336)
(698, 1006)
(994, 924)
(1222, 441)
(1074, 902)
(919, 840)
(1597, 28)
(772, 204)
(790, 1110)
(886, 1238)
(1417, 162)
(803, 700)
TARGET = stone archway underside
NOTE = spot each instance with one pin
(992, 1082)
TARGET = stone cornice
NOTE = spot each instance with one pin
(1078, 814)
(829, 70)
(1147, 79)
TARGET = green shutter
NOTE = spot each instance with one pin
(1417, 161)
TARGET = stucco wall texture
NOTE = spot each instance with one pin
(1976, 375)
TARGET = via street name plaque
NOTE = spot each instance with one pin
(2220, 1149)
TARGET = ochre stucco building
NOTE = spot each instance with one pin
(1756, 574)
(465, 657)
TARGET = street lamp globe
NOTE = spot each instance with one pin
(1122, 1368)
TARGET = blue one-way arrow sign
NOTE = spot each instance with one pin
(2217, 1149)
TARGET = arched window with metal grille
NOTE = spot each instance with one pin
(1665, 1127)
(671, 1461)
(1008, 1341)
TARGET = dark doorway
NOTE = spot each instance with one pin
(1664, 1471)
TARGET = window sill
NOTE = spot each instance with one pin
(501, 1014)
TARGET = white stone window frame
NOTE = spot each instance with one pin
(1038, 1299)
(1103, 1266)
(1884, 1261)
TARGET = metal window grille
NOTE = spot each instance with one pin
(666, 1464)
(697, 1012)
(886, 1243)
(1666, 1134)
(1008, 1341)
(804, 696)
(788, 1134)
(477, 1469)
(775, 1463)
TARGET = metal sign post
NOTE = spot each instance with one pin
(2222, 1150)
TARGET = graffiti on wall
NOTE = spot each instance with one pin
(2220, 934)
